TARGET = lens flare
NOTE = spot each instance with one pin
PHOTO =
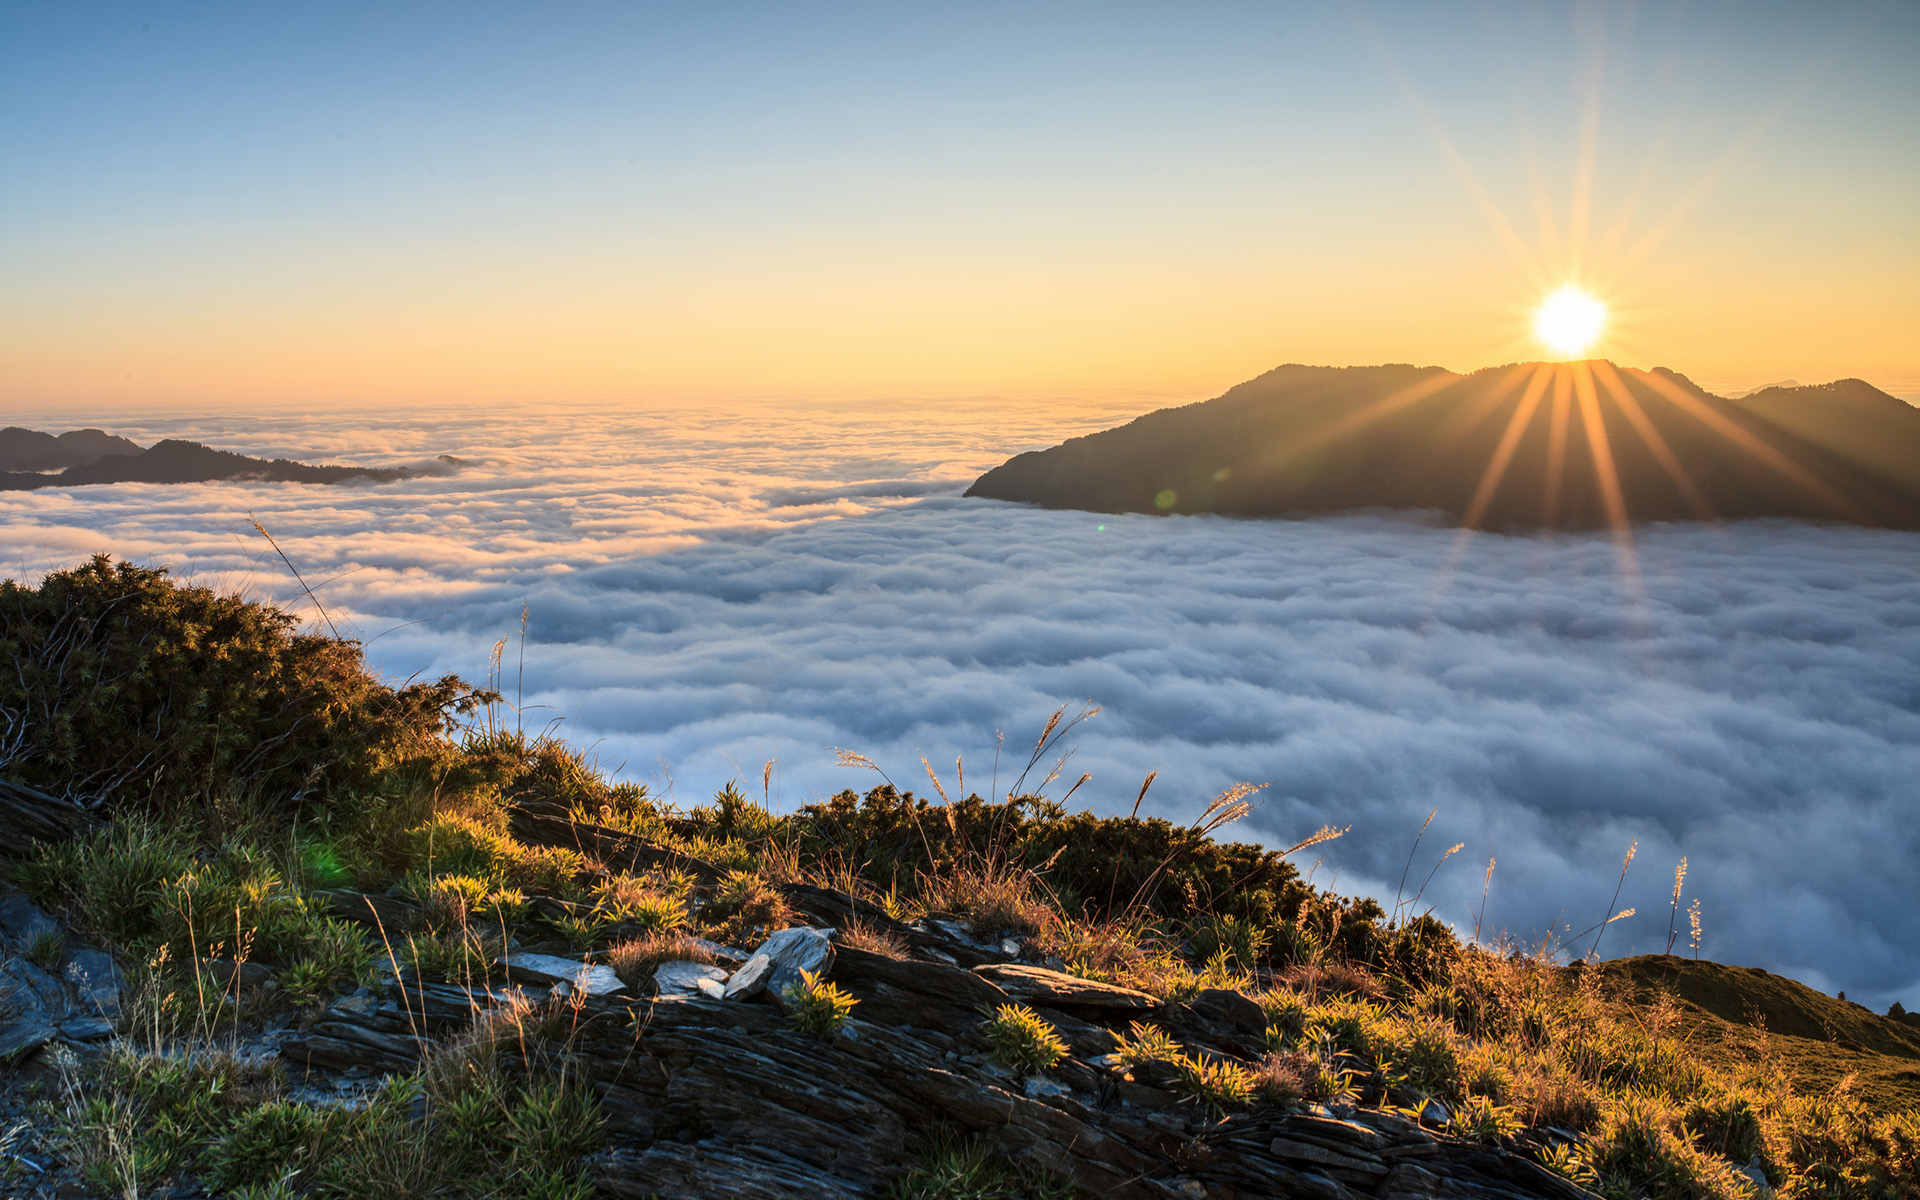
(1569, 320)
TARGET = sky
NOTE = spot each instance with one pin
(245, 205)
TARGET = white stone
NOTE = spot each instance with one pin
(777, 964)
(548, 969)
(686, 978)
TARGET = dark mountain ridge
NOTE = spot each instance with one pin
(1524, 446)
(32, 450)
(175, 461)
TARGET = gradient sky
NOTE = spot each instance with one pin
(210, 204)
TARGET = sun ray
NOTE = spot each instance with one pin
(1463, 423)
(1607, 476)
(1382, 407)
(1622, 396)
(1583, 171)
(1490, 478)
(1753, 444)
(1509, 442)
(1556, 448)
(1544, 218)
(1490, 211)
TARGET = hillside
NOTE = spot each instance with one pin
(1533, 445)
(275, 927)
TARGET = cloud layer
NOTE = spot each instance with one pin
(710, 591)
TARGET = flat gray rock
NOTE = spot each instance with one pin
(19, 1038)
(725, 954)
(1037, 985)
(548, 969)
(87, 1029)
(21, 920)
(777, 964)
(685, 978)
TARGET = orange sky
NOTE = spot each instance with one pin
(1053, 208)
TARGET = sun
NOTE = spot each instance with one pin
(1569, 320)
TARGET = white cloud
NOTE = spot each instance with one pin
(717, 589)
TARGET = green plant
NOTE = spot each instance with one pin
(1147, 1043)
(582, 930)
(747, 900)
(1240, 942)
(47, 948)
(1481, 1119)
(553, 1121)
(646, 909)
(1216, 1084)
(970, 1169)
(815, 1006)
(1021, 1040)
(448, 902)
(264, 1145)
(1422, 1056)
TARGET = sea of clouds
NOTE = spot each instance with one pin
(707, 589)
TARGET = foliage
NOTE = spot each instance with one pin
(1021, 1040)
(1216, 1084)
(970, 1169)
(129, 687)
(816, 1006)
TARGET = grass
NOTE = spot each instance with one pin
(969, 1169)
(1021, 1040)
(1670, 1072)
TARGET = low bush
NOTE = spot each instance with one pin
(815, 1006)
(1021, 1040)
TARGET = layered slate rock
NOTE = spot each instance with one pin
(708, 1097)
(1039, 985)
(71, 994)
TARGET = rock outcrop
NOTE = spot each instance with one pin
(708, 1090)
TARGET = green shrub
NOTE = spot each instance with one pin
(1147, 1043)
(134, 688)
(47, 948)
(264, 1144)
(112, 882)
(817, 1007)
(1482, 1120)
(553, 1121)
(1216, 1084)
(1421, 1055)
(970, 1169)
(1019, 1039)
(1240, 943)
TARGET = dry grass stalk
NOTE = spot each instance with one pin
(861, 936)
(634, 961)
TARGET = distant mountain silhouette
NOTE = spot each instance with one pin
(1532, 445)
(174, 461)
(31, 450)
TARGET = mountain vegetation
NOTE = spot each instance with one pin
(1528, 446)
(276, 927)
